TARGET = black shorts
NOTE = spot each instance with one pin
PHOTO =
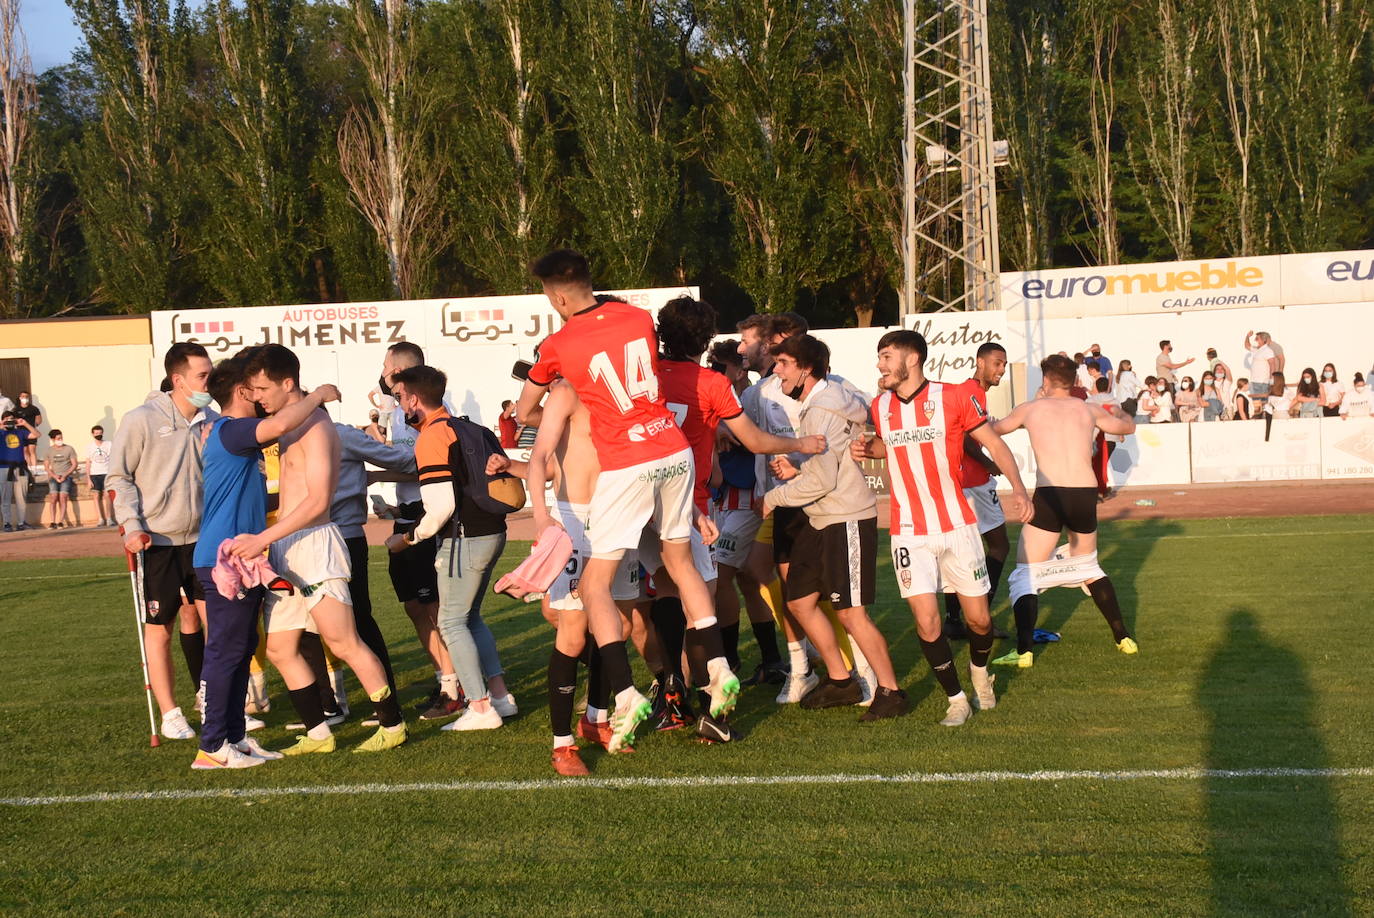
(840, 562)
(167, 573)
(1057, 509)
(788, 524)
(412, 571)
(98, 484)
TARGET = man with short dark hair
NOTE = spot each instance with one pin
(508, 428)
(14, 471)
(60, 464)
(1165, 366)
(1061, 430)
(921, 425)
(97, 467)
(156, 477)
(29, 413)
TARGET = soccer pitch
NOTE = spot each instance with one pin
(1227, 769)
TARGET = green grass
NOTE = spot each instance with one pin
(1251, 635)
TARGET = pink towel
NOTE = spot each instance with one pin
(548, 556)
(233, 575)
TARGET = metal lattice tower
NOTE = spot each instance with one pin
(951, 257)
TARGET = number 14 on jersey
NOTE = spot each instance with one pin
(640, 379)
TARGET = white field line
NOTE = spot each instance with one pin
(703, 781)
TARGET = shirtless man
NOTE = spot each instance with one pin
(1062, 429)
(307, 549)
(563, 451)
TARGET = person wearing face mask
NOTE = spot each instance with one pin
(1212, 402)
(15, 434)
(1358, 402)
(156, 476)
(1188, 404)
(60, 464)
(1094, 358)
(1226, 391)
(1332, 392)
(97, 467)
(1163, 403)
(28, 412)
(1309, 395)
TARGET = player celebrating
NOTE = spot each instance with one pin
(921, 426)
(981, 491)
(607, 350)
(1061, 430)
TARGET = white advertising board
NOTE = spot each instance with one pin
(1155, 455)
(475, 340)
(1347, 447)
(1237, 450)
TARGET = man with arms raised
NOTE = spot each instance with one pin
(607, 350)
(1061, 430)
(921, 425)
(309, 551)
(155, 473)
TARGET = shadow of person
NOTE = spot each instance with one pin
(1273, 841)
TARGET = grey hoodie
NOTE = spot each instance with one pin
(155, 471)
(830, 486)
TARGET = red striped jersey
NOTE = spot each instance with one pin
(975, 475)
(924, 436)
(736, 498)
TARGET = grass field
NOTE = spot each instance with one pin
(1251, 633)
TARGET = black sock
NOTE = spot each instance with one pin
(696, 659)
(562, 688)
(615, 666)
(941, 660)
(995, 566)
(766, 635)
(193, 648)
(670, 623)
(729, 637)
(952, 610)
(598, 692)
(979, 647)
(388, 710)
(1027, 610)
(307, 704)
(1104, 594)
(312, 651)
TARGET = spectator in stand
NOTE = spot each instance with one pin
(1309, 395)
(14, 472)
(1081, 375)
(1188, 402)
(508, 430)
(1104, 366)
(1242, 406)
(1094, 374)
(1128, 384)
(97, 467)
(1358, 402)
(1163, 400)
(1277, 348)
(1145, 404)
(28, 412)
(1263, 365)
(1165, 366)
(1279, 402)
(374, 428)
(1213, 405)
(1332, 392)
(1226, 388)
(60, 465)
(1216, 364)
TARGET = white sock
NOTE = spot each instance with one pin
(319, 731)
(959, 696)
(560, 741)
(596, 715)
(977, 672)
(623, 697)
(796, 655)
(448, 684)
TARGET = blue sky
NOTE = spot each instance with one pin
(50, 31)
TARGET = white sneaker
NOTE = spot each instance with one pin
(200, 703)
(475, 720)
(796, 687)
(505, 706)
(226, 756)
(257, 701)
(251, 723)
(174, 725)
(252, 747)
(984, 698)
(958, 713)
(868, 682)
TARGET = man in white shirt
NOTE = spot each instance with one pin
(97, 467)
(1263, 365)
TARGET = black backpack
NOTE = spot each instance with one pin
(474, 445)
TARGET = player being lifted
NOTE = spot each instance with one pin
(921, 425)
(700, 400)
(1061, 430)
(607, 350)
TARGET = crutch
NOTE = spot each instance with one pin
(135, 561)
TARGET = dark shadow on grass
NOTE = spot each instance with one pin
(1273, 842)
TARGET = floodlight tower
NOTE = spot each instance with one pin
(948, 121)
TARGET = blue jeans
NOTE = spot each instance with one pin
(464, 567)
